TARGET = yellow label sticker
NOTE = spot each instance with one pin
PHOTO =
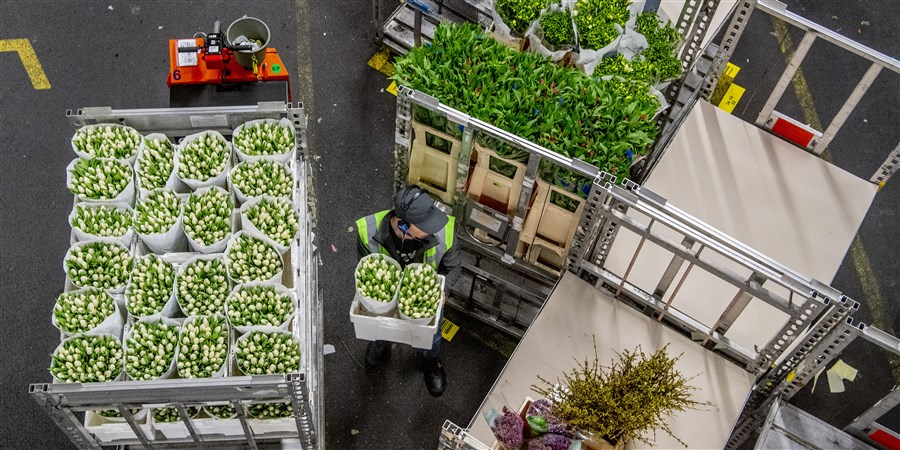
(731, 70)
(732, 97)
(448, 329)
(29, 60)
(392, 88)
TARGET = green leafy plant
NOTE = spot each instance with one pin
(519, 14)
(595, 21)
(557, 28)
(623, 401)
(525, 94)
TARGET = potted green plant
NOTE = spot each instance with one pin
(622, 402)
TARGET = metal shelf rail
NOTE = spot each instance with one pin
(304, 389)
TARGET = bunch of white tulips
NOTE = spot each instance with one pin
(377, 278)
(263, 177)
(110, 141)
(207, 216)
(81, 311)
(420, 293)
(202, 346)
(276, 218)
(271, 410)
(151, 285)
(86, 359)
(203, 287)
(259, 306)
(203, 158)
(103, 265)
(261, 353)
(99, 179)
(101, 220)
(157, 213)
(252, 259)
(156, 163)
(264, 138)
(150, 349)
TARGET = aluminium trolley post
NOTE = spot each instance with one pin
(303, 389)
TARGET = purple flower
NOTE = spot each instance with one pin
(541, 408)
(550, 442)
(508, 429)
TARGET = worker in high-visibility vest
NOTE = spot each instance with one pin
(415, 231)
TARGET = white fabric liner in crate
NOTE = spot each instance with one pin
(172, 183)
(575, 317)
(221, 371)
(188, 263)
(82, 235)
(423, 320)
(117, 336)
(170, 307)
(274, 280)
(806, 223)
(215, 247)
(279, 289)
(252, 230)
(129, 160)
(382, 328)
(370, 304)
(503, 30)
(280, 157)
(218, 180)
(112, 324)
(535, 33)
(241, 198)
(237, 361)
(114, 290)
(169, 241)
(156, 318)
(126, 195)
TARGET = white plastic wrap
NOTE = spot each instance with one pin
(218, 180)
(215, 247)
(111, 325)
(167, 242)
(274, 280)
(82, 235)
(128, 160)
(251, 229)
(172, 183)
(370, 304)
(154, 319)
(279, 289)
(281, 157)
(126, 195)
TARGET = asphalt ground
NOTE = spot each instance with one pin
(94, 55)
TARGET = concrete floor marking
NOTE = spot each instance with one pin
(861, 262)
(381, 61)
(29, 60)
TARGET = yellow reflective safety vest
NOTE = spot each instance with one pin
(368, 228)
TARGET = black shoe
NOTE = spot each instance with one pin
(435, 379)
(377, 353)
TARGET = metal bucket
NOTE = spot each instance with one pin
(253, 29)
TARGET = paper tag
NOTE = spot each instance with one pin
(186, 59)
(485, 220)
(731, 70)
(448, 329)
(211, 121)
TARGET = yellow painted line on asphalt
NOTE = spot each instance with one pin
(860, 258)
(732, 97)
(29, 60)
(381, 61)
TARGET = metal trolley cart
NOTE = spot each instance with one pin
(303, 388)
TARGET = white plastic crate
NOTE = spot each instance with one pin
(272, 426)
(114, 429)
(392, 328)
(207, 426)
